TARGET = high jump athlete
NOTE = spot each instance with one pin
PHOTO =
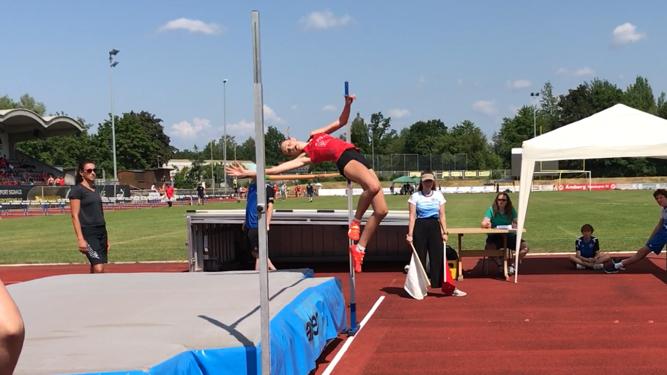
(322, 147)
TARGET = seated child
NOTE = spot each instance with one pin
(588, 250)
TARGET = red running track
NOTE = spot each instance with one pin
(555, 321)
(15, 274)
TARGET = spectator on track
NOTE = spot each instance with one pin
(169, 194)
(88, 218)
(656, 241)
(200, 194)
(310, 191)
(587, 249)
(427, 228)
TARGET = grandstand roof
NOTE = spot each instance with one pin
(25, 124)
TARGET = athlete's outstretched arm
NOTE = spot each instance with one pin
(342, 119)
(238, 170)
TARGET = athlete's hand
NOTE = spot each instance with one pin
(237, 170)
(83, 246)
(349, 99)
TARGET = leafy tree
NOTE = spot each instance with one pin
(246, 151)
(231, 146)
(26, 102)
(140, 141)
(62, 151)
(466, 138)
(662, 106)
(549, 112)
(380, 132)
(426, 138)
(588, 99)
(639, 95)
(513, 132)
(272, 140)
(359, 134)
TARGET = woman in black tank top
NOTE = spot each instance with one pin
(88, 217)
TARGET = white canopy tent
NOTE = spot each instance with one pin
(617, 132)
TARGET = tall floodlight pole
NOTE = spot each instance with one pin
(535, 95)
(212, 171)
(112, 64)
(261, 196)
(224, 134)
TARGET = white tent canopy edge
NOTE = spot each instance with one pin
(616, 132)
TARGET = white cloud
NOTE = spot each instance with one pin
(329, 108)
(585, 71)
(270, 117)
(242, 129)
(186, 129)
(626, 34)
(487, 107)
(397, 113)
(324, 20)
(193, 26)
(519, 84)
(578, 72)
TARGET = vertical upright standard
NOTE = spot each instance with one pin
(112, 64)
(353, 303)
(261, 196)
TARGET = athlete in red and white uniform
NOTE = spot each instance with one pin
(321, 147)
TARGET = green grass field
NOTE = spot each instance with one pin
(622, 221)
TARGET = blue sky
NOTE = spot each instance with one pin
(418, 60)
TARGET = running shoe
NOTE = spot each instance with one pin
(610, 267)
(357, 257)
(580, 267)
(459, 293)
(354, 231)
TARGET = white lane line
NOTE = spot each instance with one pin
(349, 340)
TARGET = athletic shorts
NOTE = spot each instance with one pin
(253, 239)
(348, 156)
(658, 241)
(96, 236)
(497, 239)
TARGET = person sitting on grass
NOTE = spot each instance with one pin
(588, 250)
(656, 241)
(322, 147)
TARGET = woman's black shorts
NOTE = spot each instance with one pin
(96, 236)
(349, 155)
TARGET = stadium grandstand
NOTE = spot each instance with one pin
(18, 170)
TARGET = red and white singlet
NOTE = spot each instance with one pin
(323, 147)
